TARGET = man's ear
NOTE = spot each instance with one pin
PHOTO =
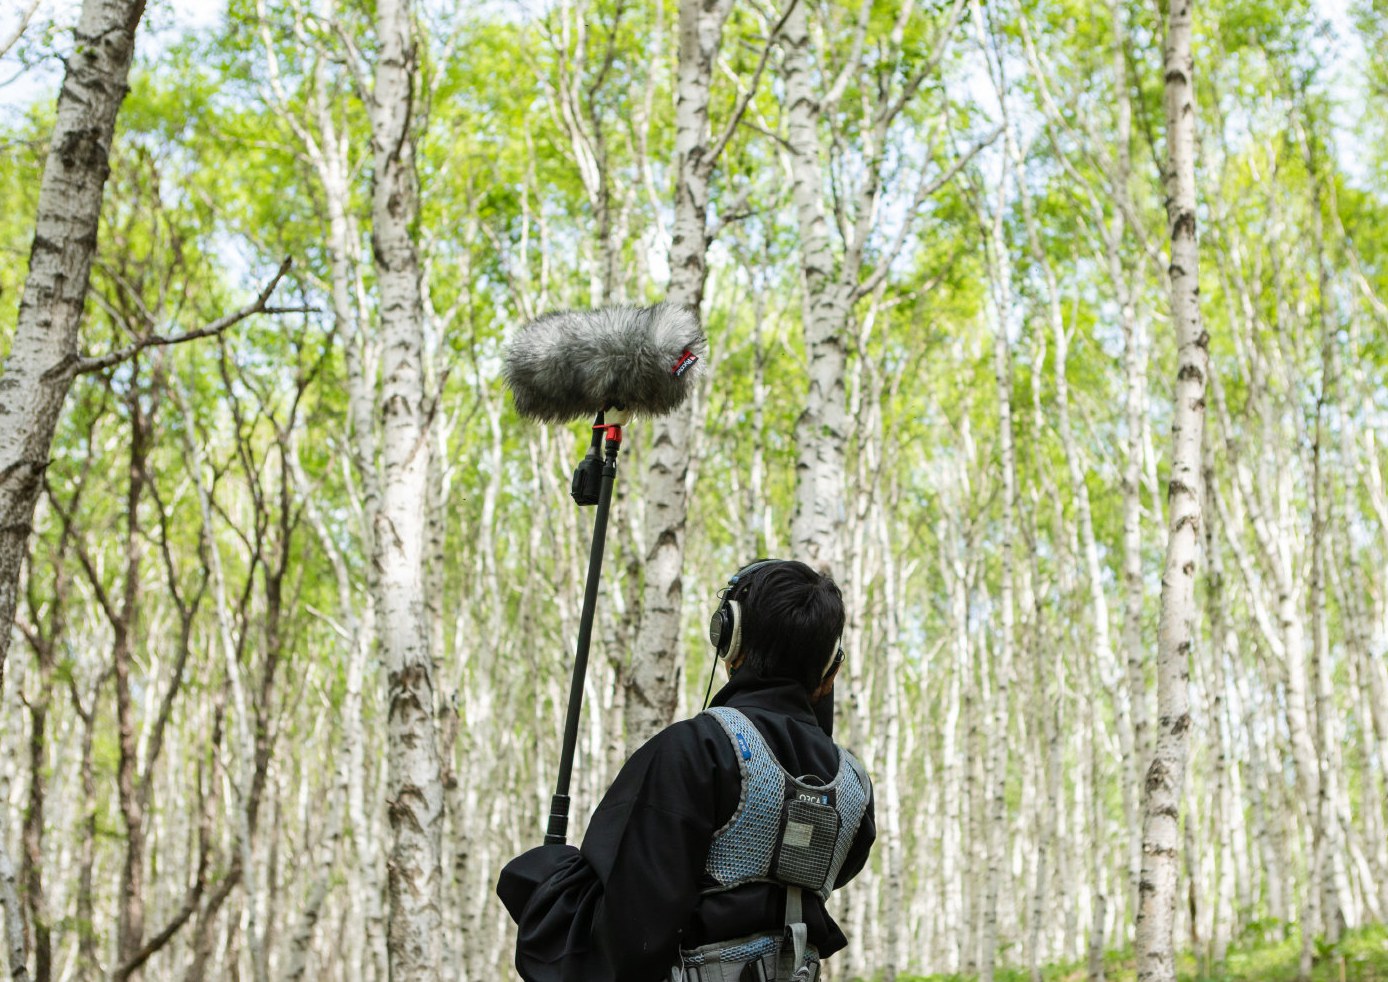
(825, 684)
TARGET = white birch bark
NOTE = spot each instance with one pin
(16, 963)
(1134, 719)
(1225, 810)
(1105, 661)
(656, 663)
(1368, 682)
(893, 890)
(1375, 667)
(975, 829)
(1368, 671)
(36, 375)
(414, 793)
(1274, 536)
(1177, 628)
(1050, 693)
(831, 267)
(1097, 830)
(578, 106)
(1328, 849)
(822, 428)
(956, 775)
(1115, 166)
(355, 631)
(1001, 275)
(1326, 846)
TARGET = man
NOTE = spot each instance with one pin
(711, 856)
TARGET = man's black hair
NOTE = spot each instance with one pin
(792, 619)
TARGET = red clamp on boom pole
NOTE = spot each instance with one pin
(611, 424)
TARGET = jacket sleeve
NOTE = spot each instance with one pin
(614, 908)
(647, 844)
(551, 894)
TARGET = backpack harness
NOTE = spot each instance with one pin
(787, 830)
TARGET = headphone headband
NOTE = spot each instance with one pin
(749, 569)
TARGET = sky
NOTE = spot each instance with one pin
(168, 18)
(1347, 72)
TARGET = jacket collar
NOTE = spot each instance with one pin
(783, 696)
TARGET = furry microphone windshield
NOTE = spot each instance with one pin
(572, 364)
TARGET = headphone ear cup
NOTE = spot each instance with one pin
(720, 631)
(735, 631)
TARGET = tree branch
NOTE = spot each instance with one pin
(82, 366)
(190, 906)
(745, 98)
(25, 16)
(852, 65)
(925, 190)
(162, 938)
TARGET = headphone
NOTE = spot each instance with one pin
(725, 626)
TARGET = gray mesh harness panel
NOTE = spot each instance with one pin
(852, 803)
(743, 848)
(737, 954)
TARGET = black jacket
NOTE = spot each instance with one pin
(619, 907)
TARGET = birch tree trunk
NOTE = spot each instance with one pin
(414, 790)
(1001, 272)
(653, 679)
(86, 945)
(955, 555)
(822, 428)
(38, 372)
(832, 261)
(40, 917)
(1094, 949)
(15, 949)
(1328, 847)
(131, 920)
(1224, 808)
(1176, 632)
(1136, 720)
